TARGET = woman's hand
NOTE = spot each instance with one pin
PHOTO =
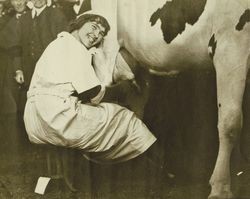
(102, 64)
(99, 58)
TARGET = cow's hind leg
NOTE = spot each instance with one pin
(230, 62)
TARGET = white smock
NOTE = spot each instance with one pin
(104, 132)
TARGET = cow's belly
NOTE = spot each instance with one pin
(146, 39)
(162, 56)
(146, 42)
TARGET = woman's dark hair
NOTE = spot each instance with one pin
(80, 21)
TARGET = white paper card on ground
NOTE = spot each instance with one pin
(41, 185)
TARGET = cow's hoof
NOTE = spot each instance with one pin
(221, 196)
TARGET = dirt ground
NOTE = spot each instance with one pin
(184, 120)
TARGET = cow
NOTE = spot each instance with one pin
(165, 35)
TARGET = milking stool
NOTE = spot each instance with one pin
(57, 159)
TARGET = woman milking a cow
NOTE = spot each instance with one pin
(66, 100)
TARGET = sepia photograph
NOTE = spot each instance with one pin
(124, 99)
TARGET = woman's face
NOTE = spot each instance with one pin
(91, 34)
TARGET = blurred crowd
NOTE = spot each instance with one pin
(26, 28)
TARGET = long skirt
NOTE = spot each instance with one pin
(105, 133)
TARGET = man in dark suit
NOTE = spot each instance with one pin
(5, 16)
(11, 134)
(37, 29)
(10, 90)
(72, 8)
